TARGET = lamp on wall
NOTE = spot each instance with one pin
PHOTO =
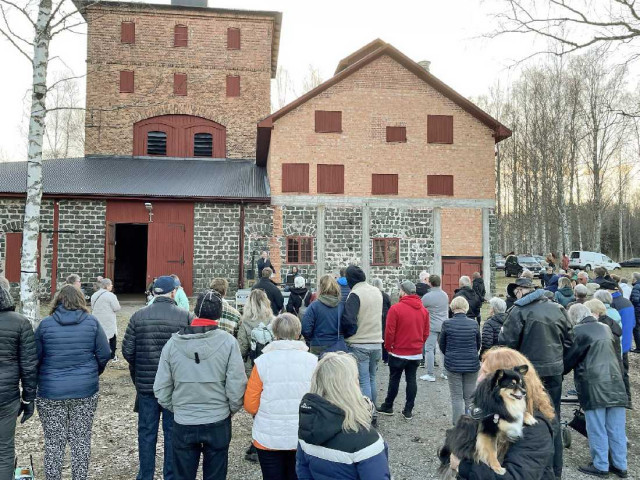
(149, 208)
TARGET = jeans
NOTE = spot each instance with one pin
(277, 464)
(367, 367)
(606, 429)
(211, 440)
(553, 385)
(430, 350)
(461, 387)
(8, 417)
(149, 411)
(396, 367)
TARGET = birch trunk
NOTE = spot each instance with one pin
(578, 223)
(620, 210)
(29, 281)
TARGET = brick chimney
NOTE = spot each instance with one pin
(189, 3)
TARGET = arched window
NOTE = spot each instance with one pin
(203, 145)
(156, 143)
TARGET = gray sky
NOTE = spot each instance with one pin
(321, 33)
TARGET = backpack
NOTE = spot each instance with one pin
(261, 336)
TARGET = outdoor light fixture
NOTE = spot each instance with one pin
(149, 208)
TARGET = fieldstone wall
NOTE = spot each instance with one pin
(298, 221)
(343, 238)
(258, 230)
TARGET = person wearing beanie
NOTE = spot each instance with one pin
(406, 332)
(201, 379)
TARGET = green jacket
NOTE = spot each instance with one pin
(181, 299)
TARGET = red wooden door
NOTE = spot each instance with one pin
(454, 268)
(110, 250)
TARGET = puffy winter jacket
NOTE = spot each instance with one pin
(552, 283)
(595, 361)
(72, 352)
(491, 331)
(479, 288)
(459, 342)
(540, 330)
(327, 452)
(344, 289)
(407, 327)
(296, 295)
(635, 299)
(475, 302)
(149, 329)
(320, 321)
(564, 296)
(626, 311)
(273, 293)
(18, 359)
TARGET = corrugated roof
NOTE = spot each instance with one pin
(223, 179)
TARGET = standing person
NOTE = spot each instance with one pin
(541, 330)
(635, 301)
(201, 380)
(582, 278)
(493, 325)
(601, 392)
(437, 304)
(601, 275)
(478, 286)
(599, 311)
(73, 351)
(362, 319)
(264, 262)
(230, 318)
(104, 305)
(423, 287)
(74, 280)
(18, 376)
(273, 292)
(565, 262)
(564, 295)
(460, 342)
(580, 293)
(322, 318)
(181, 299)
(149, 329)
(335, 438)
(625, 288)
(551, 260)
(344, 286)
(280, 378)
(406, 332)
(296, 296)
(472, 298)
(386, 305)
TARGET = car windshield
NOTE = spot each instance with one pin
(527, 260)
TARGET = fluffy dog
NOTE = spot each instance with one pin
(497, 417)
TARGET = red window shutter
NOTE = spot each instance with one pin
(328, 122)
(13, 254)
(440, 185)
(128, 32)
(180, 36)
(233, 39)
(396, 134)
(180, 84)
(384, 184)
(295, 178)
(330, 178)
(126, 81)
(233, 86)
(440, 129)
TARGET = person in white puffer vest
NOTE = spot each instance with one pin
(280, 378)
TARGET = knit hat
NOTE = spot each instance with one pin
(354, 274)
(164, 285)
(209, 305)
(408, 287)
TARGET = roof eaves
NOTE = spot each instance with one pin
(359, 54)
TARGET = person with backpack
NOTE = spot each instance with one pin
(322, 318)
(280, 378)
(295, 305)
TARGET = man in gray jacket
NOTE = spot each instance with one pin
(201, 379)
(436, 301)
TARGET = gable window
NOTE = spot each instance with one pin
(157, 143)
(203, 145)
(180, 84)
(180, 36)
(396, 134)
(295, 178)
(233, 39)
(299, 249)
(126, 81)
(328, 122)
(384, 184)
(330, 178)
(386, 251)
(233, 86)
(128, 32)
(440, 185)
(440, 129)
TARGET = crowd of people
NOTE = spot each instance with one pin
(307, 371)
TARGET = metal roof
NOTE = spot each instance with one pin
(222, 179)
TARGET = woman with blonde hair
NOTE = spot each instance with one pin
(336, 439)
(321, 325)
(531, 457)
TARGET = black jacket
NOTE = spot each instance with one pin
(530, 458)
(539, 329)
(595, 361)
(18, 359)
(635, 300)
(422, 289)
(475, 302)
(262, 264)
(273, 292)
(491, 331)
(478, 287)
(386, 305)
(459, 342)
(148, 331)
(296, 295)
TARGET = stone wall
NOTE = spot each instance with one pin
(298, 221)
(343, 238)
(258, 231)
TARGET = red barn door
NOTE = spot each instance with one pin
(454, 268)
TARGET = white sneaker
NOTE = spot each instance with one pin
(428, 378)
(115, 358)
(444, 376)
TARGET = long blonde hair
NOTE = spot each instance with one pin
(258, 307)
(507, 358)
(336, 380)
(328, 286)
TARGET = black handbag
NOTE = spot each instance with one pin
(579, 422)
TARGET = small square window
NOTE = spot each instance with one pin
(328, 122)
(295, 178)
(128, 32)
(384, 184)
(180, 36)
(440, 185)
(126, 81)
(439, 129)
(233, 86)
(233, 39)
(300, 250)
(180, 84)
(396, 134)
(386, 251)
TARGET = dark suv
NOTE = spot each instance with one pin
(514, 265)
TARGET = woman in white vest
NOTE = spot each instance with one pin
(280, 378)
(104, 305)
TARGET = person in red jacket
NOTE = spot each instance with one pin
(406, 331)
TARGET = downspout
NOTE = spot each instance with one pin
(241, 249)
(54, 261)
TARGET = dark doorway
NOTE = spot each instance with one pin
(130, 268)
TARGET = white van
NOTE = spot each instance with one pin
(589, 260)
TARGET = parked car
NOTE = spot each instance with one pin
(543, 263)
(587, 261)
(514, 265)
(499, 262)
(632, 262)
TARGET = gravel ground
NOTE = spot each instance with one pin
(412, 444)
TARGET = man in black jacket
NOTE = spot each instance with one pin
(273, 292)
(541, 330)
(149, 329)
(263, 262)
(474, 301)
(18, 367)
